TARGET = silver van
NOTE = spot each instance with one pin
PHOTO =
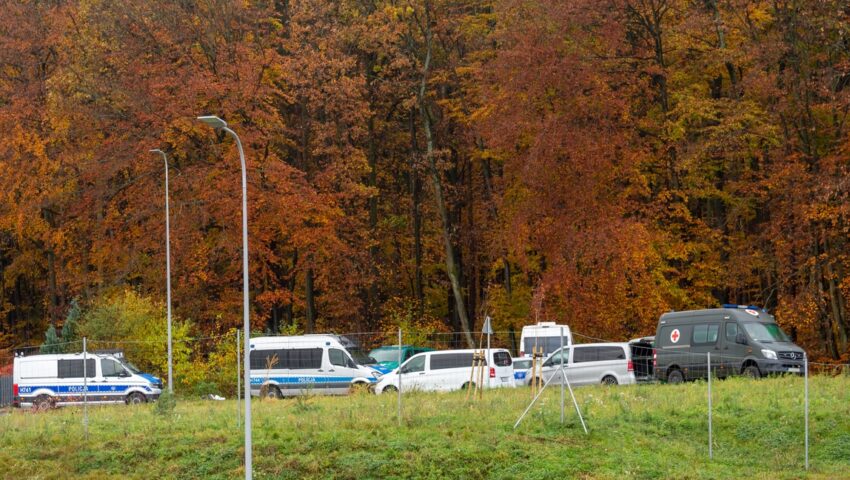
(591, 363)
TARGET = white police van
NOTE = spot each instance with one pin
(545, 336)
(320, 364)
(52, 380)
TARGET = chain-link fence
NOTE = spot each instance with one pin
(207, 372)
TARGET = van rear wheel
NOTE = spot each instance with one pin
(136, 398)
(609, 380)
(44, 402)
(273, 392)
(675, 376)
(467, 385)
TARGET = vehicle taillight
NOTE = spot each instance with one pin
(631, 366)
(521, 353)
(654, 358)
(492, 372)
(15, 391)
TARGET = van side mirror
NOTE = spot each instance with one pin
(741, 338)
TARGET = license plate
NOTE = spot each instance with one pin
(793, 370)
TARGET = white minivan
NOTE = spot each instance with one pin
(545, 335)
(58, 379)
(296, 365)
(446, 370)
(592, 363)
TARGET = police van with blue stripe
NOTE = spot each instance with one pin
(316, 364)
(63, 379)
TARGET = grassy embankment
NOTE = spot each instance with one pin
(650, 431)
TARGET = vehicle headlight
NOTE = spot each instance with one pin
(768, 354)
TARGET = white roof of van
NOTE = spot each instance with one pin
(296, 339)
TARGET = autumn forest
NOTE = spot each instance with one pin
(591, 162)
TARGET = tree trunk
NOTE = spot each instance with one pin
(416, 198)
(372, 316)
(311, 302)
(439, 196)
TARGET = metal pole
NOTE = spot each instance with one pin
(399, 376)
(238, 381)
(218, 123)
(488, 356)
(806, 403)
(245, 309)
(85, 390)
(562, 369)
(575, 402)
(710, 447)
(167, 273)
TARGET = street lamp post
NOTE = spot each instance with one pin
(220, 124)
(167, 272)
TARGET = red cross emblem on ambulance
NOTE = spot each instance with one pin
(674, 335)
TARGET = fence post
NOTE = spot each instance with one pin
(238, 380)
(399, 376)
(710, 446)
(562, 370)
(85, 390)
(806, 403)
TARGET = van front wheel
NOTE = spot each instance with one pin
(752, 371)
(135, 398)
(675, 377)
(389, 389)
(359, 387)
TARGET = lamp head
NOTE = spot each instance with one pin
(213, 121)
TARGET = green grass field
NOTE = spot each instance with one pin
(647, 431)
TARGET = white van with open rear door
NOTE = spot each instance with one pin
(448, 370)
(545, 335)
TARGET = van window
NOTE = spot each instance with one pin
(766, 332)
(451, 360)
(502, 359)
(586, 354)
(74, 368)
(304, 358)
(111, 368)
(522, 364)
(549, 344)
(295, 359)
(414, 365)
(262, 359)
(731, 332)
(611, 353)
(337, 357)
(705, 334)
(555, 359)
